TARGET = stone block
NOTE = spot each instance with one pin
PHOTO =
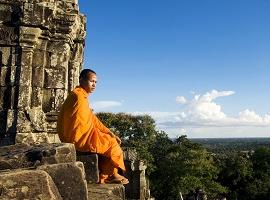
(40, 59)
(25, 156)
(77, 53)
(28, 39)
(67, 6)
(53, 60)
(106, 191)
(31, 120)
(48, 100)
(10, 56)
(5, 11)
(60, 54)
(90, 162)
(26, 184)
(25, 138)
(31, 138)
(53, 99)
(13, 79)
(8, 35)
(69, 179)
(23, 122)
(26, 75)
(26, 57)
(38, 77)
(63, 55)
(51, 118)
(6, 56)
(41, 46)
(36, 100)
(60, 96)
(55, 78)
(74, 71)
(53, 138)
(8, 76)
(138, 187)
(5, 71)
(33, 14)
(52, 127)
(11, 121)
(24, 98)
(37, 119)
(60, 153)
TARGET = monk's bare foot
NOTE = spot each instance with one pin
(122, 179)
(102, 178)
(117, 178)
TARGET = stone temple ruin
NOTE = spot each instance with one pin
(41, 55)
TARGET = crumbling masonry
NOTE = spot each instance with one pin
(41, 54)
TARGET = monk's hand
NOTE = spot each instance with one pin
(115, 136)
(118, 140)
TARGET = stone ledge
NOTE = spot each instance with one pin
(27, 184)
(106, 191)
(90, 162)
(25, 156)
(69, 179)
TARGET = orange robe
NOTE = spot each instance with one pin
(77, 124)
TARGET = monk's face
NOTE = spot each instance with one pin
(89, 85)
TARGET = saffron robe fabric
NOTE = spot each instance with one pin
(78, 124)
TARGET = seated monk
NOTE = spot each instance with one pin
(77, 124)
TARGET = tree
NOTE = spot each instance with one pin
(135, 131)
(259, 188)
(185, 168)
(235, 173)
(173, 166)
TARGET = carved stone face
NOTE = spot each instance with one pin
(89, 85)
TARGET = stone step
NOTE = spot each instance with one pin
(25, 156)
(90, 162)
(106, 191)
(27, 184)
(69, 179)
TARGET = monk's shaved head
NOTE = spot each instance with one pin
(88, 80)
(83, 74)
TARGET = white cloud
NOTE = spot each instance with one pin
(202, 111)
(100, 105)
(181, 100)
(161, 117)
(251, 117)
(219, 132)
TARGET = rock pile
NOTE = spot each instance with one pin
(47, 171)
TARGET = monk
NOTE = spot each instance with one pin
(78, 124)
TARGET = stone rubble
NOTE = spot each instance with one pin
(70, 187)
(27, 184)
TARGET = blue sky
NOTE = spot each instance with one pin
(200, 68)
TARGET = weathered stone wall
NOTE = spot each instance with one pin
(41, 54)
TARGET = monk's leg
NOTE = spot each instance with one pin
(115, 153)
(110, 162)
(106, 168)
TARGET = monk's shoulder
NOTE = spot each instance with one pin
(78, 94)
